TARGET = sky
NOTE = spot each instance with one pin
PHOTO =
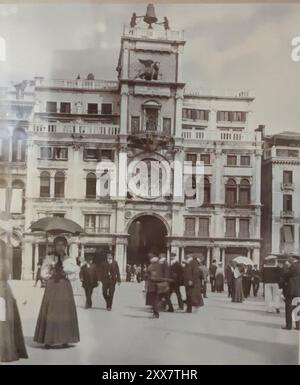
(228, 47)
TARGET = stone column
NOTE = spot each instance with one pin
(216, 254)
(217, 186)
(212, 119)
(27, 261)
(52, 185)
(124, 110)
(256, 256)
(222, 256)
(208, 256)
(178, 114)
(36, 256)
(120, 257)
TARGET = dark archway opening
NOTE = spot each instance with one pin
(147, 234)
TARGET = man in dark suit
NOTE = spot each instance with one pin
(176, 274)
(89, 279)
(292, 279)
(255, 280)
(110, 275)
(212, 275)
(192, 276)
(229, 278)
(164, 288)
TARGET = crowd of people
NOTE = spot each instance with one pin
(57, 323)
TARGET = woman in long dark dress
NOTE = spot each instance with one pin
(57, 324)
(238, 295)
(12, 346)
(219, 279)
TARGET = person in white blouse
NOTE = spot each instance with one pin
(57, 323)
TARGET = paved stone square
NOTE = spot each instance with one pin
(219, 333)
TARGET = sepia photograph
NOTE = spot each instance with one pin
(149, 185)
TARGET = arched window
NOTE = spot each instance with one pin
(91, 182)
(3, 186)
(59, 185)
(18, 146)
(4, 145)
(18, 197)
(244, 193)
(45, 185)
(231, 193)
(206, 198)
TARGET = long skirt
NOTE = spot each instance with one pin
(220, 283)
(12, 346)
(238, 295)
(195, 294)
(57, 323)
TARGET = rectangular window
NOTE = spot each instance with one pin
(167, 129)
(106, 109)
(231, 160)
(245, 160)
(287, 234)
(135, 124)
(231, 116)
(91, 153)
(51, 107)
(203, 227)
(46, 153)
(60, 153)
(190, 226)
(65, 108)
(285, 153)
(107, 155)
(90, 223)
(244, 228)
(151, 119)
(59, 215)
(104, 223)
(230, 227)
(92, 108)
(287, 177)
(205, 158)
(94, 223)
(195, 114)
(191, 158)
(287, 202)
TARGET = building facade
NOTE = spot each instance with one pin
(147, 114)
(281, 194)
(16, 111)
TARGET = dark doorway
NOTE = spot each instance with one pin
(17, 263)
(147, 234)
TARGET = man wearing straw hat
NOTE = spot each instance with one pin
(271, 277)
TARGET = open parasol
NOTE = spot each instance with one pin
(243, 260)
(56, 225)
